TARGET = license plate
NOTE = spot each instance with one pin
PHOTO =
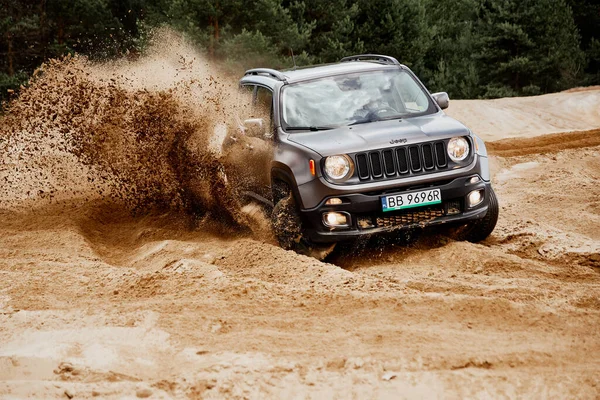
(410, 200)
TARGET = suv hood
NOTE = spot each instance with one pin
(380, 134)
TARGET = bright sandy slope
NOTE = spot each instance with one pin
(576, 110)
(97, 303)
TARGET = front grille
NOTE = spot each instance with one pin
(428, 162)
(400, 161)
(362, 166)
(388, 162)
(415, 158)
(409, 217)
(376, 169)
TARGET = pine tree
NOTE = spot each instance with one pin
(586, 14)
(449, 65)
(527, 47)
(394, 27)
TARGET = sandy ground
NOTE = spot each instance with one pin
(95, 302)
(575, 110)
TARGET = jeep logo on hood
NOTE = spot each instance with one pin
(397, 141)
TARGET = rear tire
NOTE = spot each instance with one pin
(287, 228)
(480, 229)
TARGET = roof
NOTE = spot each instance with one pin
(270, 77)
(301, 74)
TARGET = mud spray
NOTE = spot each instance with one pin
(150, 134)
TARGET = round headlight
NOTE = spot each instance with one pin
(458, 149)
(339, 167)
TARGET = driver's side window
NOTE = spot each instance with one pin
(261, 100)
(264, 105)
(256, 113)
(245, 104)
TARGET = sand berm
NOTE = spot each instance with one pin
(127, 268)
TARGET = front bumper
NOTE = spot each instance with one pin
(367, 217)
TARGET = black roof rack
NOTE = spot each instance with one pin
(374, 57)
(267, 71)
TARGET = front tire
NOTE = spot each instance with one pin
(287, 228)
(479, 230)
(286, 223)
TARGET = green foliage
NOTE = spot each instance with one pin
(593, 53)
(249, 49)
(449, 64)
(394, 27)
(10, 84)
(275, 21)
(333, 27)
(470, 48)
(586, 14)
(503, 48)
(525, 43)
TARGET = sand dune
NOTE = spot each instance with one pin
(530, 116)
(96, 302)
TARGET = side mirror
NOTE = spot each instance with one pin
(441, 99)
(255, 127)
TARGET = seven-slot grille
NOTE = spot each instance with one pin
(405, 160)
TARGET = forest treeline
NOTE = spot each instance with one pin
(469, 48)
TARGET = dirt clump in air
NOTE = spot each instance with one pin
(97, 130)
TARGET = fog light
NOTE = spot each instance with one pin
(333, 201)
(475, 197)
(474, 179)
(336, 219)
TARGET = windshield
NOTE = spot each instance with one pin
(353, 99)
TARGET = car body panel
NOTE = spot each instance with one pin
(293, 151)
(360, 205)
(380, 134)
(314, 191)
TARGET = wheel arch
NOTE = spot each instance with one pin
(282, 174)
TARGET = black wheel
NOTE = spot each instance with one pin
(287, 227)
(480, 229)
(286, 223)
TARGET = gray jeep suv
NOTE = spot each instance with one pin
(361, 147)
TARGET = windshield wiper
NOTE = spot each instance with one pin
(362, 121)
(370, 119)
(308, 128)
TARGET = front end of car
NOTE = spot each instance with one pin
(406, 186)
(382, 155)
